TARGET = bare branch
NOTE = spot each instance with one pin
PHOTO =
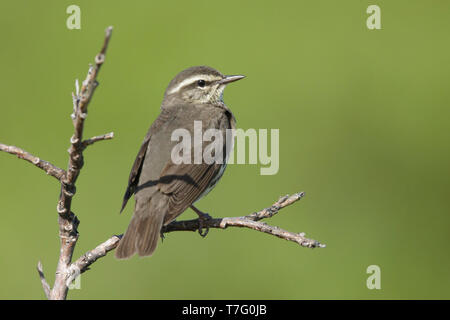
(100, 251)
(68, 222)
(95, 139)
(45, 285)
(81, 99)
(49, 168)
(273, 210)
(250, 221)
(243, 222)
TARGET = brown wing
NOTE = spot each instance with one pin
(136, 171)
(184, 184)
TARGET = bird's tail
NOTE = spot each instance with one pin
(144, 229)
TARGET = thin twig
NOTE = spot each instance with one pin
(44, 282)
(95, 139)
(273, 210)
(49, 168)
(101, 250)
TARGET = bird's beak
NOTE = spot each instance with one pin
(229, 79)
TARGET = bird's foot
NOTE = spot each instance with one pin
(203, 218)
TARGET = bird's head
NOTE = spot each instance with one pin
(199, 85)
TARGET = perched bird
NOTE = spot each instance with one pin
(164, 188)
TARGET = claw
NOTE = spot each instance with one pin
(202, 218)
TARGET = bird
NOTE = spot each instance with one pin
(163, 188)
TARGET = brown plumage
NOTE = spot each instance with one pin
(163, 190)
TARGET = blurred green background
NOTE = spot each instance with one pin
(364, 131)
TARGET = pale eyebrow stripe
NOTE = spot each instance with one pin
(191, 80)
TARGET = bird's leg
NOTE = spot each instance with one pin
(202, 218)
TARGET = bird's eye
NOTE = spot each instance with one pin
(201, 83)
